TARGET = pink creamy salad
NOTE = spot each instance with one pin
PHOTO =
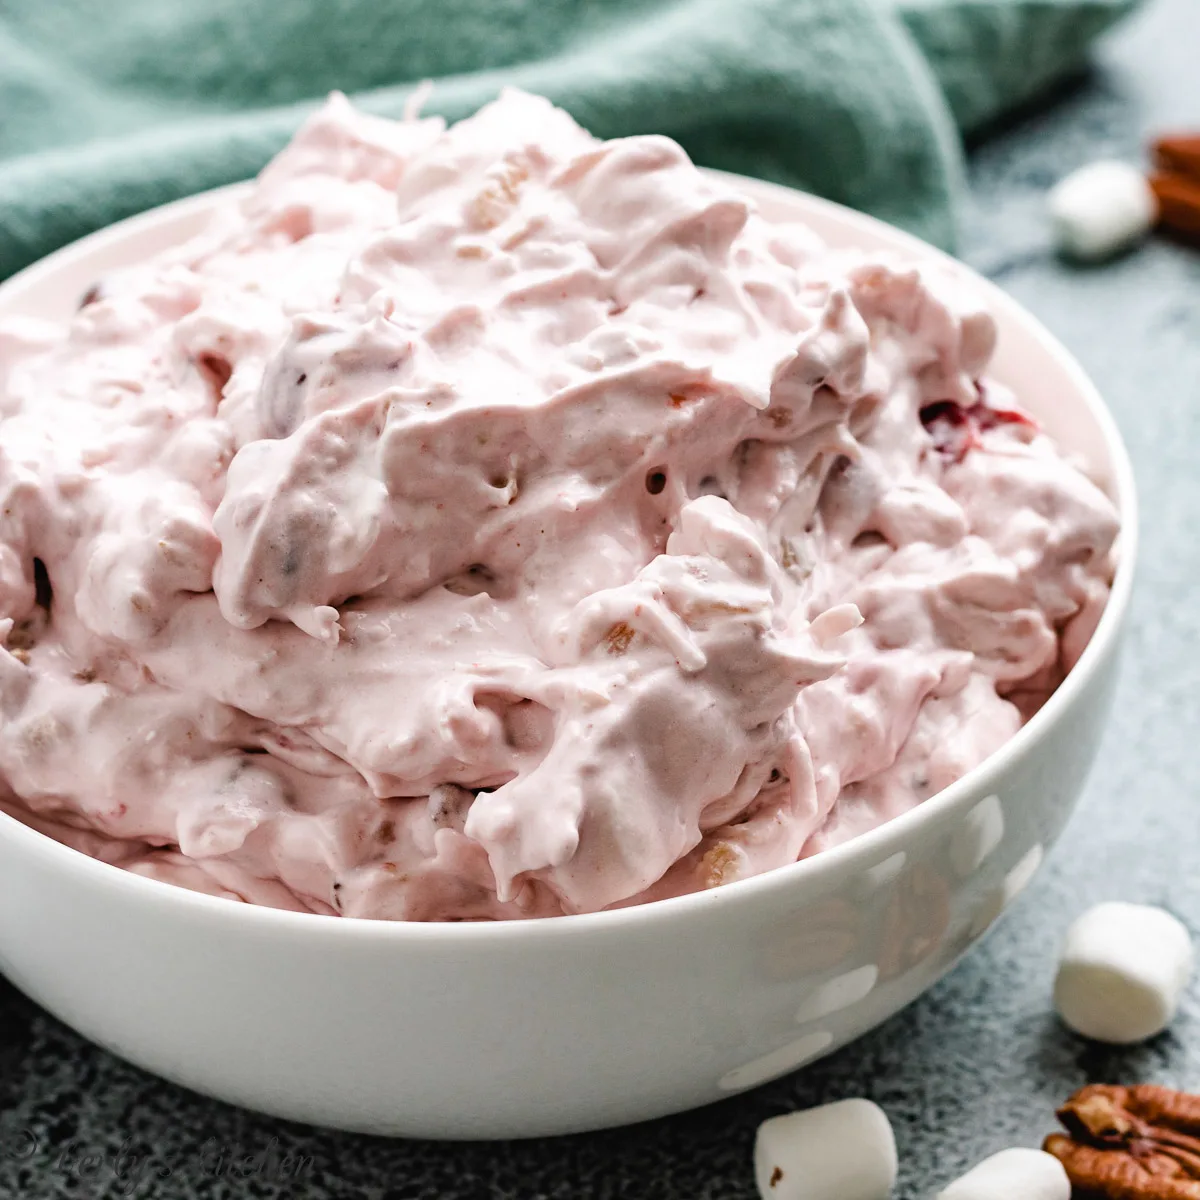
(496, 522)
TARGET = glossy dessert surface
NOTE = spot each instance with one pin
(497, 522)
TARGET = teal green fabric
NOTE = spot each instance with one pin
(110, 108)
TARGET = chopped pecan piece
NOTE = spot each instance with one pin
(1130, 1143)
(618, 638)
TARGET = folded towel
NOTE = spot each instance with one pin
(110, 109)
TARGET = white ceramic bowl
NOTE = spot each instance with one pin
(571, 1023)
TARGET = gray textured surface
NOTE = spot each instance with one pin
(979, 1062)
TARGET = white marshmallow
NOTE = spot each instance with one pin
(1101, 209)
(1122, 972)
(842, 1151)
(1027, 1174)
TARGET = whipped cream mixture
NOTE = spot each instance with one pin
(496, 522)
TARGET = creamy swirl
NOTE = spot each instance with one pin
(497, 522)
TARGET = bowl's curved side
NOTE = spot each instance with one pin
(573, 1027)
(579, 1022)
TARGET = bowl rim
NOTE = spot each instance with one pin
(860, 852)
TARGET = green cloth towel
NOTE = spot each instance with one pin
(110, 108)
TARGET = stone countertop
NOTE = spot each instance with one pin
(979, 1062)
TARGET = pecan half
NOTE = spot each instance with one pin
(1179, 152)
(1130, 1143)
(1178, 199)
(1176, 183)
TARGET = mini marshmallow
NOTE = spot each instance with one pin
(1027, 1174)
(1101, 209)
(1122, 972)
(842, 1151)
